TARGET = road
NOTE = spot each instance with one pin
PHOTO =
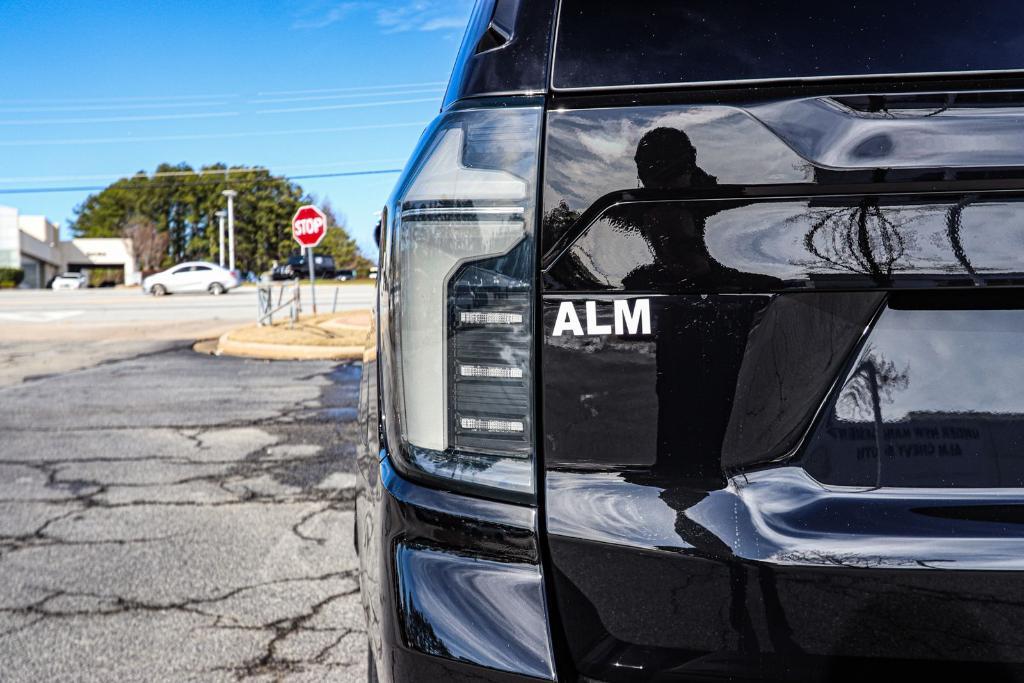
(169, 515)
(44, 332)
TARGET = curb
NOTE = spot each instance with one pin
(229, 347)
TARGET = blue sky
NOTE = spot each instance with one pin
(90, 91)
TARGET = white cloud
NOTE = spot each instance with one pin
(443, 23)
(329, 15)
(391, 17)
(425, 15)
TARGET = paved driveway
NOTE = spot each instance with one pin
(178, 516)
(44, 332)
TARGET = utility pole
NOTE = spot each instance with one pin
(231, 194)
(220, 249)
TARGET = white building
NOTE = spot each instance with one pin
(33, 244)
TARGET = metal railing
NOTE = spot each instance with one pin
(289, 296)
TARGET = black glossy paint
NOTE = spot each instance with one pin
(504, 51)
(431, 563)
(774, 245)
(800, 148)
(771, 237)
(773, 577)
(790, 238)
(674, 388)
(475, 610)
(608, 43)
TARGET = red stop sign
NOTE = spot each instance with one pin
(309, 226)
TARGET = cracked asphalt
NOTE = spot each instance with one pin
(177, 516)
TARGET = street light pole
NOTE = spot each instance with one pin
(231, 194)
(220, 249)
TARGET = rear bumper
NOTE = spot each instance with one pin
(451, 585)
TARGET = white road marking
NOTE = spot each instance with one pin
(40, 316)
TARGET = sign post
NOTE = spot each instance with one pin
(312, 276)
(309, 227)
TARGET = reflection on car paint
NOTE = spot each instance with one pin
(674, 464)
(778, 245)
(461, 607)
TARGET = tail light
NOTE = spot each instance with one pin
(457, 283)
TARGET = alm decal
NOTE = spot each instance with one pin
(630, 318)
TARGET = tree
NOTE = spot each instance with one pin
(340, 245)
(182, 202)
(149, 244)
(865, 238)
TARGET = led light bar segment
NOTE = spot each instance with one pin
(490, 372)
(494, 426)
(490, 318)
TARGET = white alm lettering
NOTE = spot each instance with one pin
(628, 320)
(592, 326)
(567, 320)
(639, 320)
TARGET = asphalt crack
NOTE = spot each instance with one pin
(291, 471)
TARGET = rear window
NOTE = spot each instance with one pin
(939, 393)
(614, 43)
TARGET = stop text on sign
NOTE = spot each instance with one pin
(309, 226)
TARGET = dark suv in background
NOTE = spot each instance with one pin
(296, 267)
(699, 350)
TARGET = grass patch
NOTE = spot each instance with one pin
(323, 283)
(328, 329)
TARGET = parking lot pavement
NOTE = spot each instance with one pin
(44, 332)
(178, 516)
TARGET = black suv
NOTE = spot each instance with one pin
(297, 268)
(700, 349)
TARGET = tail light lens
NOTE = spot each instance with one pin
(456, 286)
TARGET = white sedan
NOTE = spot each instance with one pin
(195, 276)
(70, 281)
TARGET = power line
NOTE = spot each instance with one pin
(70, 101)
(353, 105)
(320, 98)
(121, 106)
(204, 136)
(201, 171)
(353, 89)
(97, 188)
(344, 174)
(119, 119)
(111, 107)
(137, 98)
(207, 115)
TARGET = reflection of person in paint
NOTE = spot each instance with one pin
(667, 160)
(694, 343)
